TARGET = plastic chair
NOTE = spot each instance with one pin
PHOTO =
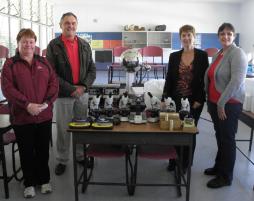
(155, 152)
(4, 53)
(7, 138)
(116, 53)
(44, 52)
(153, 56)
(106, 151)
(37, 50)
(211, 51)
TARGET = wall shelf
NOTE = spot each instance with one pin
(140, 39)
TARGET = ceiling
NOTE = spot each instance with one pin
(200, 1)
(222, 1)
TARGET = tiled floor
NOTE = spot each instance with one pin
(113, 169)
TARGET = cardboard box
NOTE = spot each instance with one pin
(170, 121)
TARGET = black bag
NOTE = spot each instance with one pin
(160, 27)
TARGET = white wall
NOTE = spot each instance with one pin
(247, 28)
(111, 15)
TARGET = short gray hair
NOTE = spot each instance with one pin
(68, 14)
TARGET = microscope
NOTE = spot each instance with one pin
(170, 105)
(185, 116)
(152, 111)
(99, 121)
(137, 114)
(185, 108)
(108, 106)
(94, 106)
(124, 109)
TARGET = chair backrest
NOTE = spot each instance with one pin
(153, 52)
(117, 51)
(211, 51)
(157, 152)
(37, 50)
(4, 109)
(4, 52)
(44, 52)
(140, 51)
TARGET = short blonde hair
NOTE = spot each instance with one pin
(26, 33)
(187, 28)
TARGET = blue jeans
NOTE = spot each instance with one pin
(225, 131)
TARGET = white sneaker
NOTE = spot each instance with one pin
(46, 188)
(29, 192)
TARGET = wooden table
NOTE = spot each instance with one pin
(132, 134)
(4, 127)
(248, 119)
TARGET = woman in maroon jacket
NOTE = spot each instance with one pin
(30, 86)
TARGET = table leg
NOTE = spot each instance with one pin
(111, 74)
(251, 138)
(75, 169)
(189, 172)
(5, 176)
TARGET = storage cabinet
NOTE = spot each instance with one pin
(140, 39)
(134, 39)
(160, 39)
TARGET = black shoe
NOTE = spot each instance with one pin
(210, 171)
(171, 165)
(60, 169)
(90, 163)
(218, 182)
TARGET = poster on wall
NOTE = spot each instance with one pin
(97, 44)
(86, 36)
(198, 40)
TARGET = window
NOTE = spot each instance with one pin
(44, 40)
(17, 14)
(4, 31)
(15, 7)
(50, 20)
(44, 12)
(26, 24)
(14, 22)
(35, 11)
(36, 29)
(4, 37)
(26, 9)
(4, 6)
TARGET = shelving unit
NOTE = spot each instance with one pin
(160, 39)
(134, 39)
(140, 39)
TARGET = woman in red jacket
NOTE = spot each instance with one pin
(30, 86)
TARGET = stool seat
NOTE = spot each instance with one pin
(107, 151)
(9, 137)
(157, 152)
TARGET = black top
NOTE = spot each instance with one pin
(200, 64)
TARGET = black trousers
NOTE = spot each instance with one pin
(195, 113)
(225, 131)
(33, 142)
